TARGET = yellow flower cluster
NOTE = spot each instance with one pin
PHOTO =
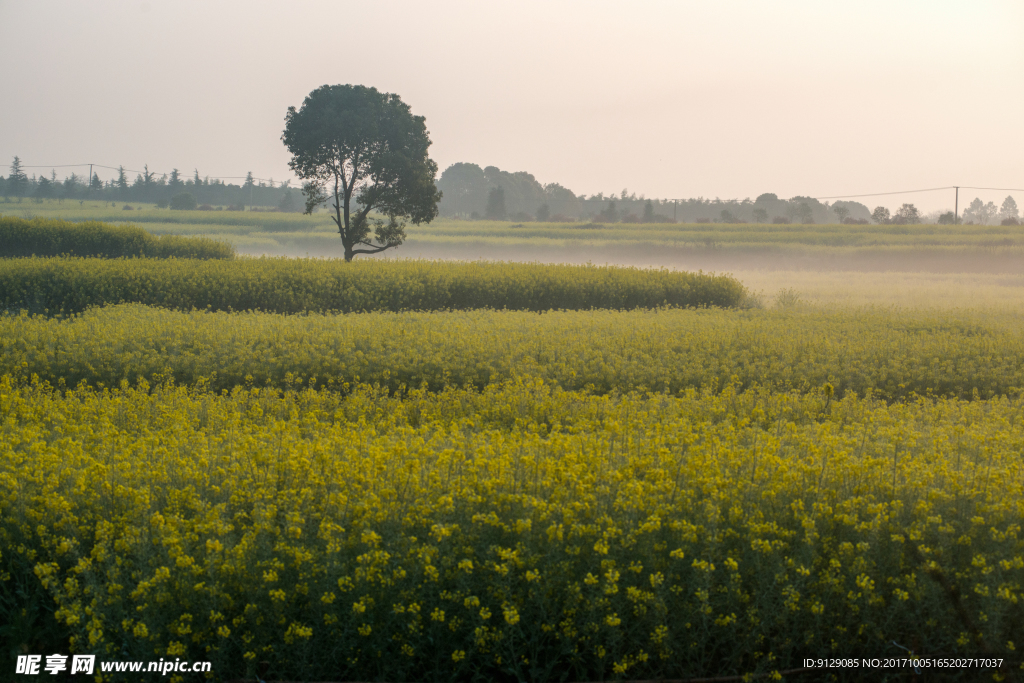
(514, 530)
(892, 354)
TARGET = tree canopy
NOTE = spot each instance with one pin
(366, 152)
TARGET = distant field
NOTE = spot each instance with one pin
(947, 267)
(317, 232)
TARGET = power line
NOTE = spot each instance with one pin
(55, 166)
(880, 194)
(997, 189)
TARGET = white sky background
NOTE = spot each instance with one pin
(723, 98)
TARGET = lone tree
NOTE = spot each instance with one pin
(364, 151)
(906, 215)
(1009, 212)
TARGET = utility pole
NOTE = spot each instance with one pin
(88, 184)
(956, 208)
(675, 203)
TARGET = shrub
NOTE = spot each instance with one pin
(184, 201)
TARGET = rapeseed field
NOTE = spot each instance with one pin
(281, 285)
(375, 472)
(887, 353)
(521, 532)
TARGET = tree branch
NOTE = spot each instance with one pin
(374, 251)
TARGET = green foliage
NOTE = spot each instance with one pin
(48, 237)
(299, 285)
(496, 204)
(183, 201)
(365, 151)
(890, 354)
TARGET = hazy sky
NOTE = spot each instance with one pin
(670, 99)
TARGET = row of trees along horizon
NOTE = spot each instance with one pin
(168, 190)
(473, 193)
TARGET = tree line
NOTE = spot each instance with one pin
(174, 190)
(473, 193)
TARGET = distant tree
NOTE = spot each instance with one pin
(1009, 209)
(96, 184)
(496, 210)
(610, 214)
(947, 218)
(543, 213)
(841, 212)
(373, 150)
(288, 203)
(148, 181)
(727, 217)
(44, 188)
(465, 189)
(804, 213)
(184, 201)
(648, 216)
(17, 181)
(175, 182)
(979, 212)
(880, 215)
(69, 188)
(907, 215)
(122, 181)
(760, 215)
